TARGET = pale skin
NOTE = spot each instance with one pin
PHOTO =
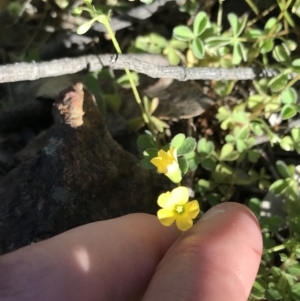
(136, 258)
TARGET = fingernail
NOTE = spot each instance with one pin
(216, 211)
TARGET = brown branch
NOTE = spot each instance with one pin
(134, 62)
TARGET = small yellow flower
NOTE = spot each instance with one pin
(166, 163)
(176, 207)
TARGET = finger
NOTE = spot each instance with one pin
(216, 260)
(109, 260)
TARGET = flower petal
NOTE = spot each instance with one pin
(180, 195)
(163, 199)
(173, 153)
(184, 222)
(192, 209)
(159, 164)
(165, 157)
(166, 217)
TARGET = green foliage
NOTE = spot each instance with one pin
(235, 157)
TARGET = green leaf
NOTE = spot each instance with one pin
(242, 133)
(254, 205)
(242, 25)
(287, 112)
(272, 22)
(241, 146)
(289, 96)
(124, 81)
(266, 46)
(236, 55)
(145, 163)
(228, 153)
(234, 23)
(177, 141)
(217, 42)
(192, 160)
(88, 2)
(208, 164)
(183, 165)
(180, 45)
(150, 153)
(200, 23)
(183, 33)
(273, 294)
(287, 143)
(278, 82)
(188, 145)
(271, 223)
(296, 65)
(76, 11)
(283, 169)
(254, 33)
(113, 100)
(173, 57)
(296, 134)
(278, 187)
(205, 147)
(295, 291)
(146, 141)
(159, 124)
(253, 155)
(259, 288)
(204, 185)
(224, 88)
(198, 48)
(83, 28)
(281, 53)
(257, 128)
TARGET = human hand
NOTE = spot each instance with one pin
(134, 257)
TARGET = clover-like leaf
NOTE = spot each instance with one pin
(198, 48)
(159, 124)
(208, 163)
(146, 141)
(278, 82)
(188, 145)
(145, 163)
(201, 22)
(287, 143)
(183, 165)
(281, 53)
(205, 147)
(238, 53)
(283, 169)
(296, 65)
(83, 28)
(217, 41)
(76, 11)
(288, 111)
(295, 132)
(289, 96)
(173, 56)
(279, 187)
(234, 23)
(228, 153)
(183, 33)
(177, 140)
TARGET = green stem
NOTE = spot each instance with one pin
(145, 115)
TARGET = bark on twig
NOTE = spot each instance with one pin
(134, 62)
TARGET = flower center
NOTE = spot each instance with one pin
(179, 208)
(172, 167)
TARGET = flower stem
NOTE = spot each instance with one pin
(146, 117)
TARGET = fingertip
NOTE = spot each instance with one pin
(215, 260)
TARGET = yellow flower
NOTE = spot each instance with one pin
(166, 163)
(176, 207)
